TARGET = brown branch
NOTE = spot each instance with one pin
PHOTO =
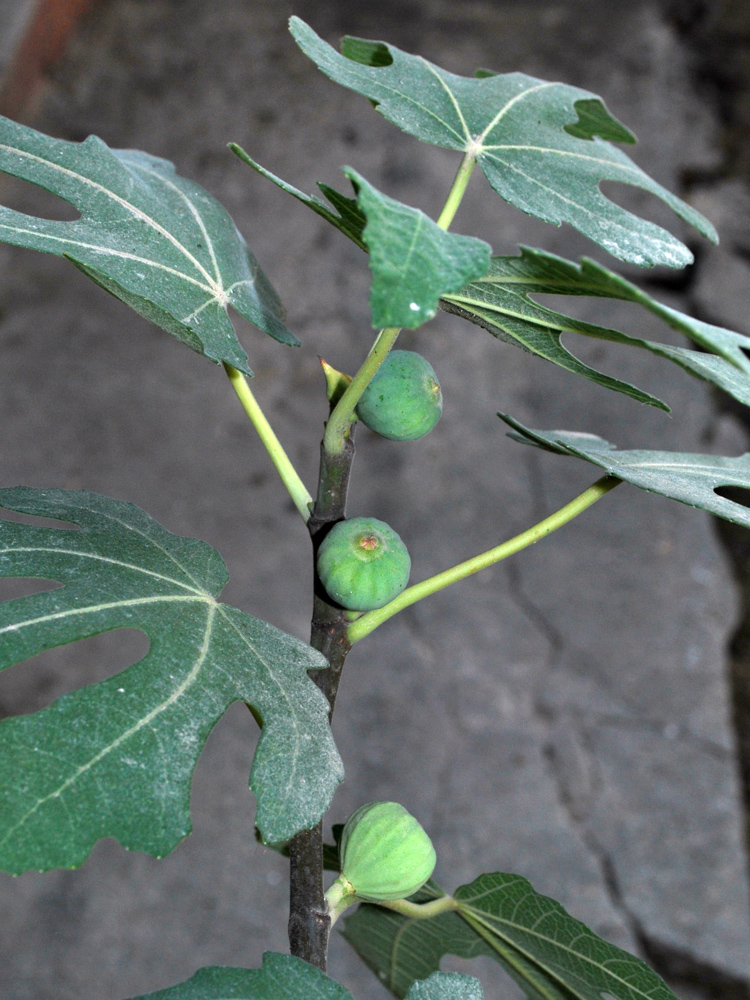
(309, 923)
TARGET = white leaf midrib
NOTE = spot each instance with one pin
(144, 721)
(128, 206)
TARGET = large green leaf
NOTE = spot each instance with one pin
(283, 977)
(544, 147)
(691, 479)
(551, 955)
(413, 261)
(501, 303)
(159, 242)
(116, 759)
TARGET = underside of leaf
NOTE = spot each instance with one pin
(350, 219)
(551, 955)
(501, 302)
(692, 479)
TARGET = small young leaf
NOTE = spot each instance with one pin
(281, 977)
(116, 758)
(501, 303)
(691, 479)
(542, 146)
(413, 261)
(547, 952)
(156, 241)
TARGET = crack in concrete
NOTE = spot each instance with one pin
(680, 733)
(705, 982)
(534, 614)
(558, 644)
(679, 968)
(718, 38)
(549, 717)
(587, 838)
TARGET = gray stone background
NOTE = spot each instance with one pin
(572, 714)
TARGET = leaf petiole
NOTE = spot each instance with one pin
(421, 911)
(289, 476)
(457, 191)
(370, 621)
(337, 428)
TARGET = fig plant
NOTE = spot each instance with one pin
(115, 759)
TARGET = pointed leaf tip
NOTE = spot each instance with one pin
(502, 303)
(692, 479)
(350, 220)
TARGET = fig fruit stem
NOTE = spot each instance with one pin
(289, 476)
(339, 897)
(370, 620)
(455, 196)
(337, 428)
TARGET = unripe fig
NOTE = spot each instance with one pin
(403, 401)
(385, 854)
(363, 564)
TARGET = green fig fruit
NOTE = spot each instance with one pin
(363, 564)
(403, 401)
(385, 854)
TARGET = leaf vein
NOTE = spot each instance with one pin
(128, 206)
(145, 721)
(105, 559)
(93, 608)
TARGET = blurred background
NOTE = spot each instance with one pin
(579, 714)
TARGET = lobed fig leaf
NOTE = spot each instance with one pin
(544, 147)
(153, 239)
